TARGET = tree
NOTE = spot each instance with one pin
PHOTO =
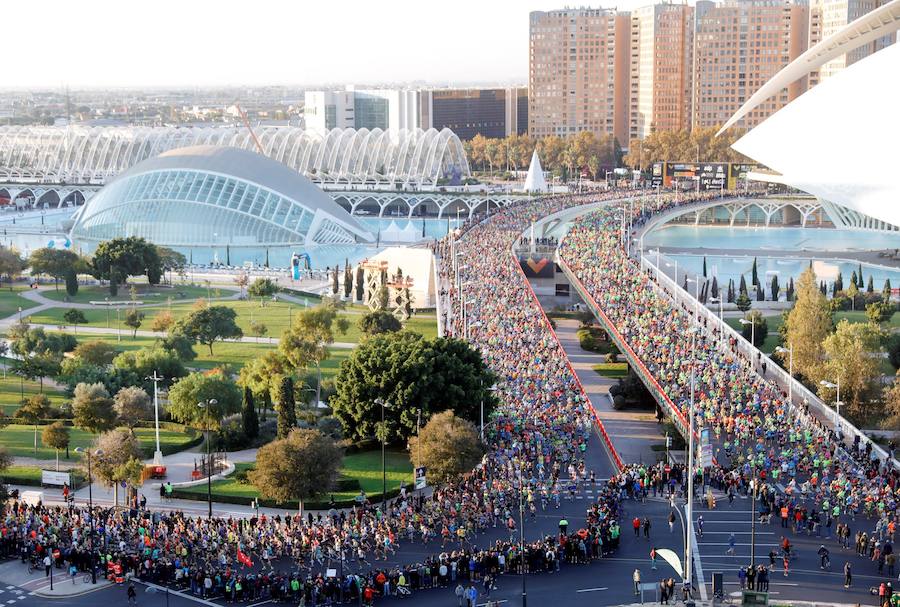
(262, 287)
(789, 293)
(71, 279)
(307, 340)
(200, 388)
(120, 447)
(28, 342)
(37, 366)
(753, 274)
(743, 302)
(775, 288)
(411, 373)
(207, 325)
(348, 280)
(10, 263)
(760, 294)
(714, 288)
(74, 317)
(808, 324)
(53, 262)
(300, 466)
(248, 415)
(179, 344)
(263, 375)
(56, 436)
(886, 290)
(334, 281)
(287, 408)
(134, 318)
(132, 405)
(852, 355)
(33, 410)
(758, 330)
(242, 280)
(143, 363)
(120, 258)
(743, 287)
(448, 446)
(730, 291)
(170, 260)
(95, 352)
(360, 283)
(258, 328)
(880, 311)
(853, 280)
(92, 408)
(893, 349)
(853, 294)
(162, 322)
(870, 286)
(892, 405)
(379, 321)
(838, 284)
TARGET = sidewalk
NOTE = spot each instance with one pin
(632, 432)
(17, 584)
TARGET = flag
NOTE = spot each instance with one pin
(244, 559)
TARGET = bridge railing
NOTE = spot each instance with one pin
(798, 392)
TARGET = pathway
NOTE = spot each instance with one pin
(632, 432)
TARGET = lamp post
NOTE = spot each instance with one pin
(522, 532)
(157, 455)
(384, 405)
(837, 402)
(97, 453)
(118, 326)
(752, 324)
(107, 312)
(207, 406)
(753, 488)
(465, 309)
(688, 562)
(790, 351)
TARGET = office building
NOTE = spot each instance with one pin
(579, 61)
(358, 109)
(740, 45)
(487, 112)
(660, 71)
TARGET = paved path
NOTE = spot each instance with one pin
(632, 432)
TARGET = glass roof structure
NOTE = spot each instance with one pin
(384, 158)
(215, 196)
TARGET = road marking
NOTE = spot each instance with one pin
(183, 595)
(492, 602)
(738, 532)
(695, 555)
(592, 589)
(261, 603)
(737, 544)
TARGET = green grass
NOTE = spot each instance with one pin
(31, 475)
(19, 440)
(11, 389)
(145, 293)
(365, 467)
(774, 322)
(860, 316)
(11, 301)
(275, 315)
(612, 370)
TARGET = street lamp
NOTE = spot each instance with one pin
(522, 531)
(752, 324)
(837, 402)
(495, 388)
(689, 507)
(97, 453)
(790, 352)
(208, 406)
(384, 405)
(675, 265)
(157, 455)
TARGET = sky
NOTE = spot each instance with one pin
(127, 43)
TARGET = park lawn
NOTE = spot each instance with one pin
(19, 440)
(12, 300)
(12, 388)
(145, 293)
(364, 466)
(612, 370)
(31, 475)
(774, 322)
(860, 316)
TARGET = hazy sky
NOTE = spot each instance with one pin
(203, 42)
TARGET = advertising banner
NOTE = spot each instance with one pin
(421, 482)
(49, 477)
(713, 176)
(537, 266)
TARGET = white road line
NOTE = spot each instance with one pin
(183, 595)
(493, 602)
(592, 589)
(737, 544)
(698, 566)
(738, 532)
(260, 603)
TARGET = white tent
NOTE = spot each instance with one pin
(534, 181)
(416, 263)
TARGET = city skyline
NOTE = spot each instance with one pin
(97, 45)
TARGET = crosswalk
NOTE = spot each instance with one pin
(10, 595)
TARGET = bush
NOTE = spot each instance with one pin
(231, 435)
(611, 357)
(595, 339)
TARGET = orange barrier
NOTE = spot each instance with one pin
(612, 450)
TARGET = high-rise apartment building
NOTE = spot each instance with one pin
(578, 72)
(739, 45)
(660, 71)
(827, 17)
(469, 112)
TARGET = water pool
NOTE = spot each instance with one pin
(761, 238)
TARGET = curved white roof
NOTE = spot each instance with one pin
(209, 195)
(387, 158)
(837, 140)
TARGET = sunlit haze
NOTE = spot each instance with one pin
(103, 43)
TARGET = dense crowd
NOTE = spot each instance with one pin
(537, 442)
(824, 480)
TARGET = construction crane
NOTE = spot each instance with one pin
(249, 128)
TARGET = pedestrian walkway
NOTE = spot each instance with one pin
(632, 432)
(16, 584)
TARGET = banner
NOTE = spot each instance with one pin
(705, 449)
(421, 482)
(537, 267)
(713, 176)
(49, 477)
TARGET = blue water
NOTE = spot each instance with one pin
(798, 239)
(727, 267)
(388, 232)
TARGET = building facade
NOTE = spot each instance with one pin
(660, 70)
(829, 16)
(579, 62)
(487, 112)
(739, 46)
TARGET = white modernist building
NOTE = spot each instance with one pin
(388, 159)
(838, 140)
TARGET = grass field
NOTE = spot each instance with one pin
(612, 370)
(275, 315)
(11, 301)
(31, 475)
(19, 440)
(12, 387)
(145, 293)
(365, 467)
